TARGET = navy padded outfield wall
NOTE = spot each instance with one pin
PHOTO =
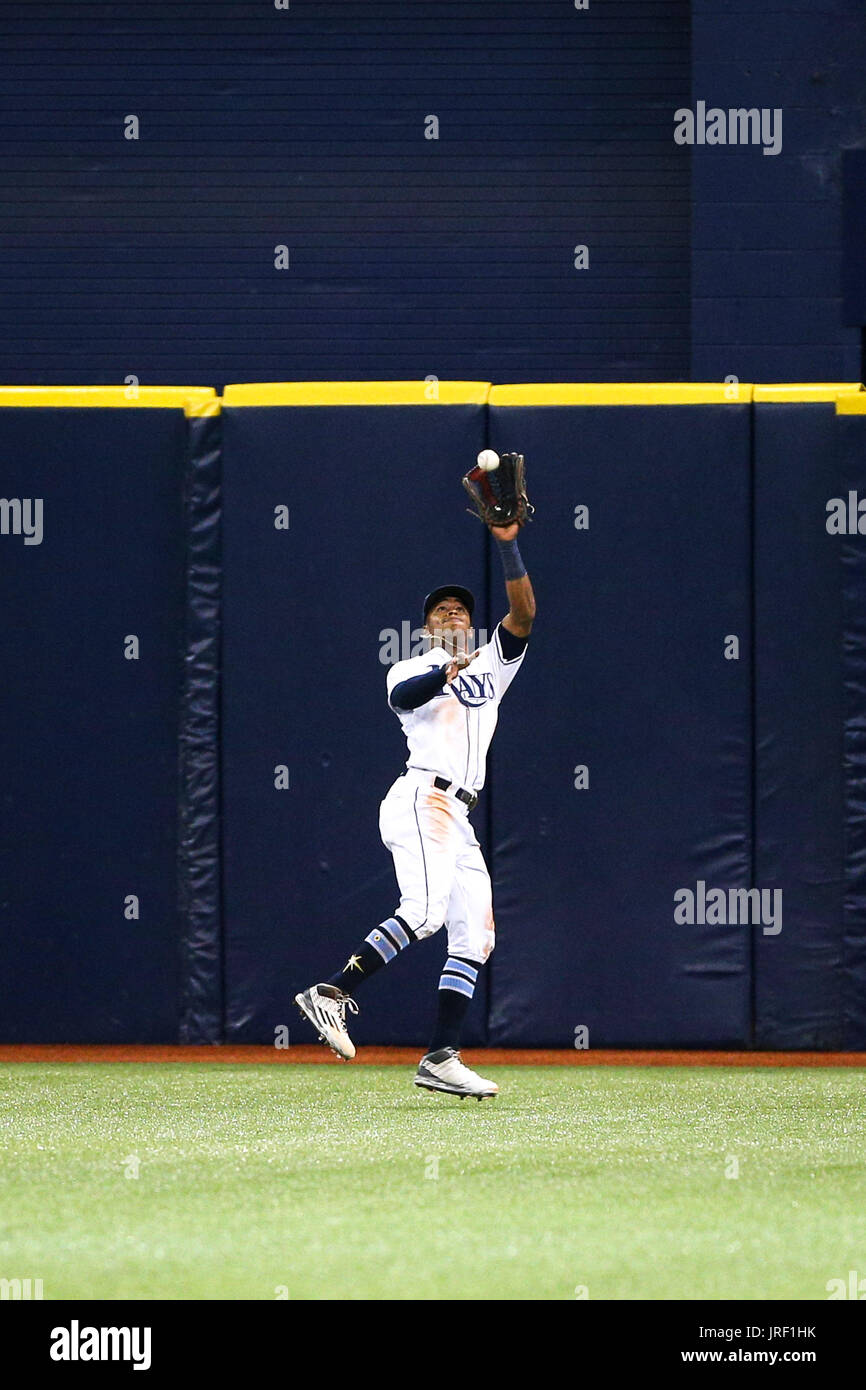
(799, 718)
(89, 737)
(374, 524)
(851, 425)
(626, 677)
(199, 851)
(687, 728)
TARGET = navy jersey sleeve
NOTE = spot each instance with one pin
(417, 690)
(512, 646)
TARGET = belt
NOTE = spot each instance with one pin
(470, 798)
(442, 784)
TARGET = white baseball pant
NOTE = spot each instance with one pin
(441, 873)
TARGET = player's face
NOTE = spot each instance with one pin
(449, 624)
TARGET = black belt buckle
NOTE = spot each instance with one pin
(469, 799)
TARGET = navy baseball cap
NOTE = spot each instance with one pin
(466, 597)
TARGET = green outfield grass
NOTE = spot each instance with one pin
(322, 1181)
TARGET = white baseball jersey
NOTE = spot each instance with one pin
(451, 733)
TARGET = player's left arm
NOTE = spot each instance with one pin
(521, 600)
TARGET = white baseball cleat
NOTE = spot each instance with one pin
(446, 1071)
(325, 1006)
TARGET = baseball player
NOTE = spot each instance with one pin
(447, 701)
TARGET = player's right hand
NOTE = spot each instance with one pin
(457, 663)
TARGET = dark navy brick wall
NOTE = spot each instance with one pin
(305, 127)
(766, 262)
(408, 257)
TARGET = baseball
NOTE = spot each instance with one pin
(488, 459)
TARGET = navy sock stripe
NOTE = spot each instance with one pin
(452, 968)
(379, 947)
(470, 965)
(395, 933)
(456, 989)
(457, 984)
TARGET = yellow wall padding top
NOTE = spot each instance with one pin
(358, 393)
(805, 391)
(632, 393)
(203, 405)
(851, 403)
(192, 399)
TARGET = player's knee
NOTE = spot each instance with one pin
(487, 940)
(427, 929)
(472, 948)
(417, 921)
(431, 919)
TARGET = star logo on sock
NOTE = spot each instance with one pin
(354, 963)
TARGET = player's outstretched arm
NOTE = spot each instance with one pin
(521, 599)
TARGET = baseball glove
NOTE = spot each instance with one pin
(498, 495)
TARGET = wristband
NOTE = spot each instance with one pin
(511, 560)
